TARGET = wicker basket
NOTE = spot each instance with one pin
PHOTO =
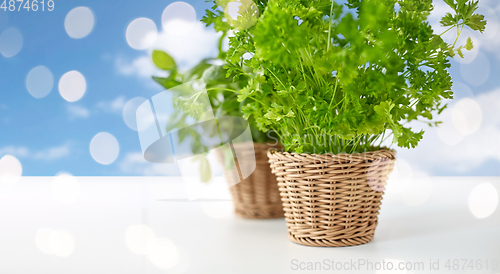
(331, 200)
(256, 197)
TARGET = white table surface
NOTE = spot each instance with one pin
(425, 220)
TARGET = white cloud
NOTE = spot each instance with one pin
(114, 106)
(141, 67)
(52, 153)
(470, 152)
(76, 111)
(135, 164)
(15, 151)
(187, 50)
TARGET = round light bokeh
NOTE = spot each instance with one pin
(483, 200)
(72, 86)
(469, 55)
(478, 71)
(140, 239)
(466, 116)
(61, 243)
(56, 242)
(11, 42)
(490, 32)
(39, 82)
(66, 188)
(42, 239)
(130, 112)
(164, 254)
(446, 131)
(11, 170)
(401, 176)
(241, 14)
(418, 192)
(104, 148)
(461, 90)
(141, 33)
(79, 22)
(178, 18)
(145, 117)
(217, 210)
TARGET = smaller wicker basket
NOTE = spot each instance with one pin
(331, 200)
(257, 196)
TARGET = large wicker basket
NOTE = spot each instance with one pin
(331, 200)
(257, 196)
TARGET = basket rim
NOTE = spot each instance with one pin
(385, 150)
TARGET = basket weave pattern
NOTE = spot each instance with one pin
(257, 196)
(331, 200)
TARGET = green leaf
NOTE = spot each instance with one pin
(409, 139)
(468, 44)
(162, 60)
(477, 22)
(448, 20)
(390, 68)
(451, 3)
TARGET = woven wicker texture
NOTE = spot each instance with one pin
(256, 197)
(331, 200)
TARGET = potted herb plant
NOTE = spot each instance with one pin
(255, 197)
(334, 80)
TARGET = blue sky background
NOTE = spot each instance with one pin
(48, 136)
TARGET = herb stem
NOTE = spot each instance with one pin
(330, 27)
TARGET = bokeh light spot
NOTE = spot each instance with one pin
(490, 32)
(56, 242)
(483, 200)
(466, 116)
(61, 243)
(104, 148)
(164, 254)
(401, 177)
(477, 72)
(11, 170)
(178, 18)
(42, 239)
(461, 90)
(11, 42)
(72, 86)
(66, 188)
(39, 82)
(140, 239)
(79, 22)
(241, 14)
(141, 33)
(469, 55)
(130, 112)
(446, 131)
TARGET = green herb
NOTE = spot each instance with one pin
(329, 77)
